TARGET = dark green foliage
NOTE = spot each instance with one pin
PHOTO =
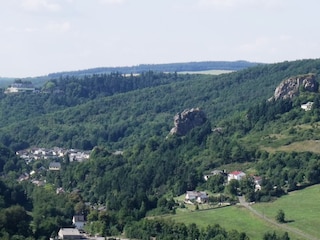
(114, 110)
(164, 229)
(268, 111)
(274, 236)
(233, 186)
(50, 212)
(280, 217)
(14, 219)
(215, 183)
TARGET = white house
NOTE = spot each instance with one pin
(196, 196)
(237, 175)
(307, 106)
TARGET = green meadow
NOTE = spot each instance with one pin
(210, 72)
(301, 210)
(233, 217)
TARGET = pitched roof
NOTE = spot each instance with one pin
(236, 173)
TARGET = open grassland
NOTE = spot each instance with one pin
(233, 217)
(302, 146)
(210, 72)
(301, 209)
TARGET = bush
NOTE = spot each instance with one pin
(280, 217)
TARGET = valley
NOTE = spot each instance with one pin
(152, 137)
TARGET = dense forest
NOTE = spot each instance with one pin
(109, 112)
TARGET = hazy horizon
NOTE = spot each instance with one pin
(46, 36)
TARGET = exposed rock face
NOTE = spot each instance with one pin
(291, 87)
(188, 119)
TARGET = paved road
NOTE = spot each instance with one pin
(269, 220)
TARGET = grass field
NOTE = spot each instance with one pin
(233, 217)
(308, 145)
(301, 209)
(210, 72)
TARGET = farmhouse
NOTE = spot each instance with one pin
(237, 175)
(196, 196)
(307, 106)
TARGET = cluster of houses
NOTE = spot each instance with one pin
(32, 154)
(53, 155)
(20, 86)
(199, 197)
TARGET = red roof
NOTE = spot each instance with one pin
(236, 173)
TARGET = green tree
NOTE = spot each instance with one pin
(233, 186)
(280, 217)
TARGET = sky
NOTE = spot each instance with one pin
(39, 37)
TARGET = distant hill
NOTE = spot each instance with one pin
(167, 67)
(5, 82)
(118, 111)
(206, 67)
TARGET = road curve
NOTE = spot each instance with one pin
(282, 226)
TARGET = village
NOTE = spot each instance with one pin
(48, 159)
(43, 160)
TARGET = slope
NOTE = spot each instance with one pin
(134, 116)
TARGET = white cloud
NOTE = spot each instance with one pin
(31, 29)
(39, 5)
(256, 45)
(240, 3)
(111, 2)
(58, 27)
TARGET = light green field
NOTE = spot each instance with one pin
(308, 145)
(302, 146)
(234, 217)
(210, 72)
(301, 209)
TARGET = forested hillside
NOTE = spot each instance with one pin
(117, 110)
(134, 114)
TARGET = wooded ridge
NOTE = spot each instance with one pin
(106, 113)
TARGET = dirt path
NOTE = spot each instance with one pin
(269, 220)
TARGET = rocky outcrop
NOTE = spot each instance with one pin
(186, 120)
(292, 86)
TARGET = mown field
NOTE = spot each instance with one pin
(233, 217)
(301, 210)
(211, 72)
(303, 146)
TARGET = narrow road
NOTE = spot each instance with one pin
(269, 220)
